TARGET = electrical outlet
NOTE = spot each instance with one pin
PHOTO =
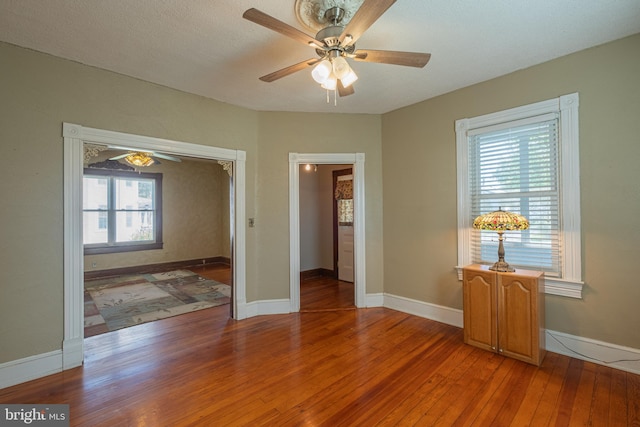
(94, 264)
(252, 222)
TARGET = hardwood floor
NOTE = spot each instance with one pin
(218, 272)
(324, 293)
(365, 367)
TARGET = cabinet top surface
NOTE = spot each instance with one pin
(518, 272)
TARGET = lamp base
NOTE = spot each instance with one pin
(502, 266)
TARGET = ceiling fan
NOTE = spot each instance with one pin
(336, 42)
(144, 158)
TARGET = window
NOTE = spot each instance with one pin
(345, 212)
(122, 211)
(344, 199)
(524, 160)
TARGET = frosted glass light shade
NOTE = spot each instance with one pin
(349, 78)
(322, 71)
(340, 67)
(331, 83)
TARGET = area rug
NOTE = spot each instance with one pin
(115, 303)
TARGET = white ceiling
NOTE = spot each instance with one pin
(206, 47)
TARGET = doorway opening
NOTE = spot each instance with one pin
(157, 238)
(75, 138)
(356, 162)
(326, 238)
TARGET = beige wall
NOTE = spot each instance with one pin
(195, 199)
(282, 133)
(39, 92)
(419, 170)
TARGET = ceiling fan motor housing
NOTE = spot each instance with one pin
(330, 37)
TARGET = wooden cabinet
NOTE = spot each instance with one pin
(504, 312)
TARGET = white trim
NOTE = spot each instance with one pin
(74, 137)
(357, 160)
(439, 313)
(567, 105)
(73, 276)
(375, 300)
(264, 307)
(570, 170)
(29, 368)
(239, 239)
(563, 288)
(599, 352)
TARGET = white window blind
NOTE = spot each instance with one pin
(515, 166)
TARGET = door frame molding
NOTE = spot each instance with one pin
(357, 162)
(75, 136)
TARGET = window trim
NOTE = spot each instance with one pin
(567, 107)
(97, 249)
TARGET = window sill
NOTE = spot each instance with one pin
(121, 248)
(553, 286)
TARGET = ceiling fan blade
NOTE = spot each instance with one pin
(409, 59)
(290, 70)
(368, 13)
(267, 21)
(121, 156)
(166, 157)
(345, 91)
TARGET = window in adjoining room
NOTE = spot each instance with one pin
(122, 211)
(524, 160)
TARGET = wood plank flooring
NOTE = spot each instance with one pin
(323, 293)
(364, 367)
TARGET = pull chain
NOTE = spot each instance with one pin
(335, 97)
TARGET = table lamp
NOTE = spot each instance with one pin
(500, 221)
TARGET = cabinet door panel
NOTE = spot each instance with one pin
(480, 314)
(517, 302)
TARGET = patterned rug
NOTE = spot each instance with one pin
(119, 302)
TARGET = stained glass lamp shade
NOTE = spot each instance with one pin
(501, 221)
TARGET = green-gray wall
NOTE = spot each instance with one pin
(413, 148)
(40, 92)
(419, 169)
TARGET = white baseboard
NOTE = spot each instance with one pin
(374, 300)
(72, 353)
(439, 313)
(603, 353)
(273, 306)
(30, 368)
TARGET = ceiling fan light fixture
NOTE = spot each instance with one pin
(139, 159)
(322, 71)
(330, 83)
(340, 67)
(349, 78)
